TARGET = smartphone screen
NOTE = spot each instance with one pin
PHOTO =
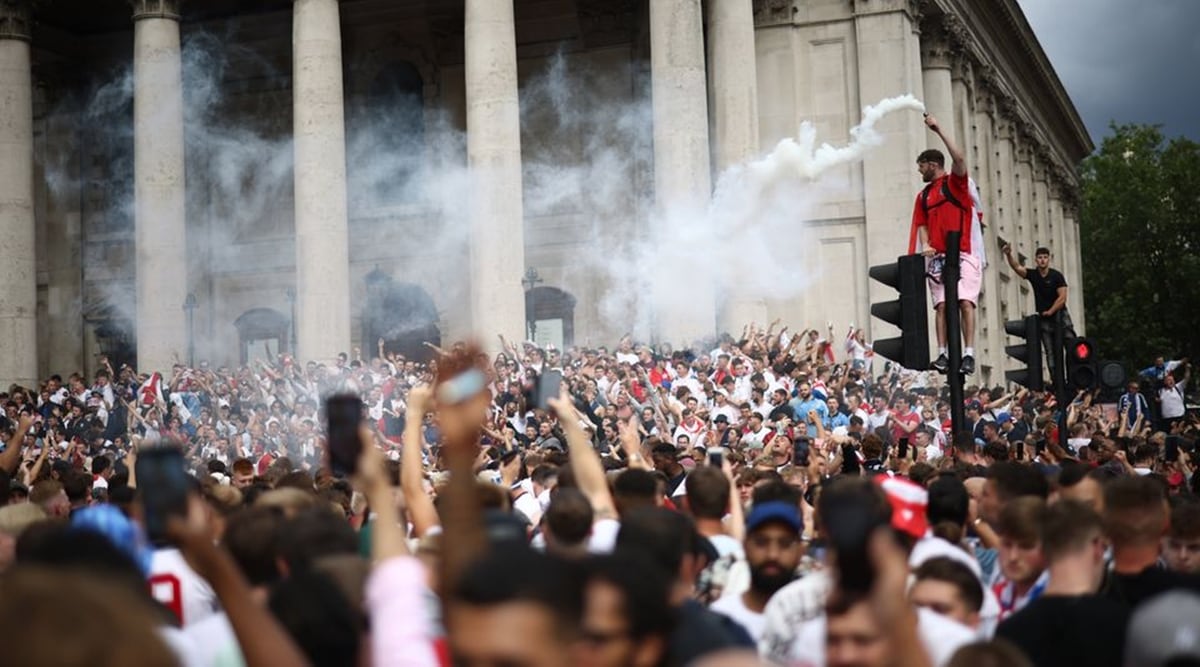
(903, 453)
(800, 452)
(343, 414)
(1171, 450)
(549, 385)
(716, 457)
(1020, 450)
(163, 485)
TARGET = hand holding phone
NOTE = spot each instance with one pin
(163, 485)
(343, 414)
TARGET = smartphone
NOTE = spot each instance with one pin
(851, 465)
(1171, 449)
(549, 385)
(716, 457)
(800, 449)
(163, 485)
(903, 448)
(343, 414)
(1020, 447)
(1039, 447)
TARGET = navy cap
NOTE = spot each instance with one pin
(776, 510)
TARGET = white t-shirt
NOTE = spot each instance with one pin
(1172, 401)
(727, 546)
(790, 607)
(940, 636)
(214, 642)
(528, 505)
(733, 607)
(179, 588)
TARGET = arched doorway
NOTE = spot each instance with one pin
(403, 315)
(262, 334)
(550, 314)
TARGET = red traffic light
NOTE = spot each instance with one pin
(1083, 351)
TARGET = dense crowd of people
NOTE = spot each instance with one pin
(770, 499)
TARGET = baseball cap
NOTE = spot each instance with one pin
(1163, 630)
(909, 502)
(1004, 418)
(721, 419)
(974, 405)
(776, 510)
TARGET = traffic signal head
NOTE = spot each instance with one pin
(1083, 372)
(1028, 352)
(909, 313)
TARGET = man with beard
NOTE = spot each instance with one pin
(773, 551)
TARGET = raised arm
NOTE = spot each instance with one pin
(589, 472)
(1012, 261)
(11, 457)
(958, 164)
(420, 507)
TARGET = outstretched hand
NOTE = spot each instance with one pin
(931, 123)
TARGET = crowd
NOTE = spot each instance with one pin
(766, 500)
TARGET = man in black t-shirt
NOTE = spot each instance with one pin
(1049, 297)
(1070, 623)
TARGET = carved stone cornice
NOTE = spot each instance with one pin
(156, 9)
(773, 12)
(16, 19)
(936, 44)
(962, 68)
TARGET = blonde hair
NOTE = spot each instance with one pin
(14, 519)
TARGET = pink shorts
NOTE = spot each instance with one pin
(970, 278)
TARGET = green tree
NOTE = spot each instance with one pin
(1140, 236)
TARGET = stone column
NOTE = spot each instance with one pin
(18, 299)
(733, 78)
(1074, 269)
(887, 55)
(322, 241)
(159, 185)
(936, 77)
(494, 158)
(682, 178)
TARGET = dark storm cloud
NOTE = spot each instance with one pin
(1132, 61)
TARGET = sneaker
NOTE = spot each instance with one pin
(941, 364)
(968, 365)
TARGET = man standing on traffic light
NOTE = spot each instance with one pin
(946, 205)
(1049, 297)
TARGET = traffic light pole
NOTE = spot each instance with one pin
(1057, 358)
(950, 273)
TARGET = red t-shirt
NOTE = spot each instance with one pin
(938, 215)
(908, 419)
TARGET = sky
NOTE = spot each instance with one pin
(1132, 61)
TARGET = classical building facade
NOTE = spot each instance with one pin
(222, 179)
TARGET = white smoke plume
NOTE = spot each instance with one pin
(588, 194)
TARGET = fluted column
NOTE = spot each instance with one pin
(494, 158)
(888, 65)
(682, 179)
(322, 241)
(733, 77)
(936, 77)
(18, 299)
(159, 185)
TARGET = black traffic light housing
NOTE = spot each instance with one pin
(1083, 371)
(1029, 352)
(909, 313)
